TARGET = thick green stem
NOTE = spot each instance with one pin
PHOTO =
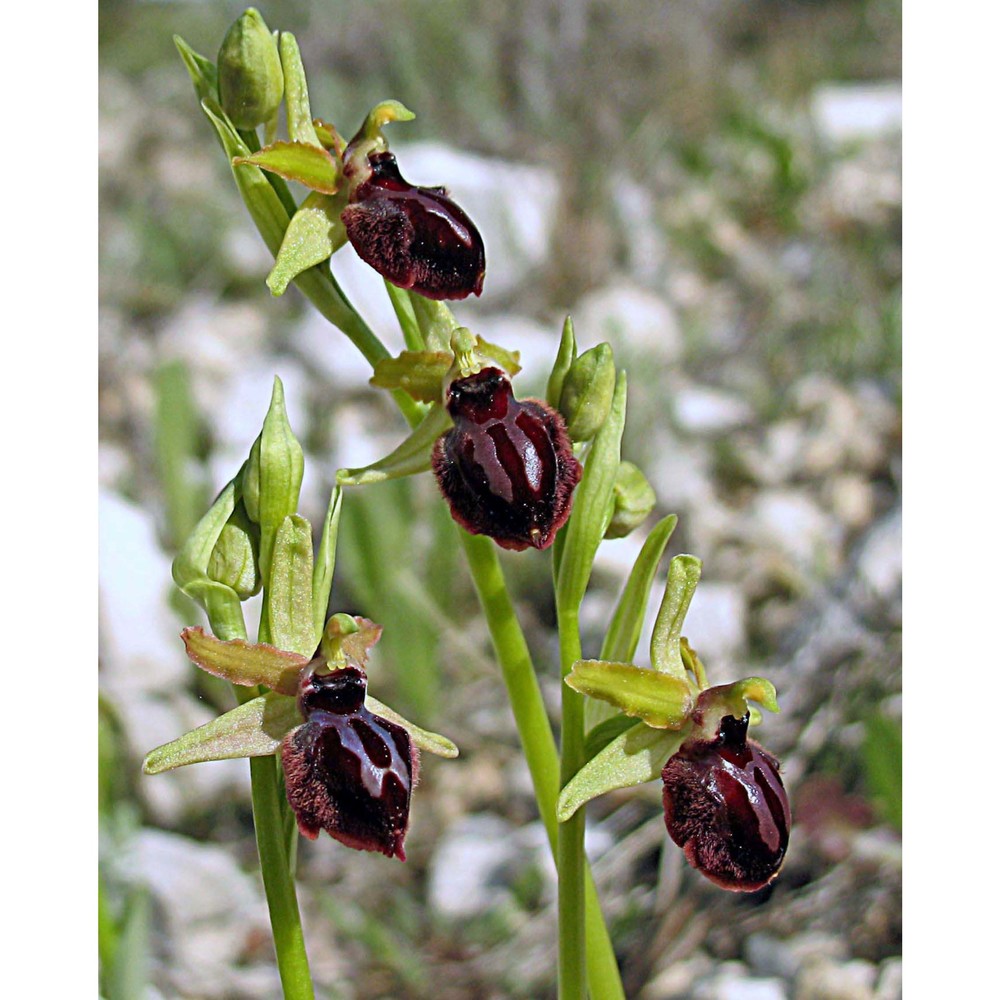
(570, 856)
(272, 846)
(539, 745)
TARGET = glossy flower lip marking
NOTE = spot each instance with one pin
(348, 771)
(725, 804)
(506, 468)
(415, 237)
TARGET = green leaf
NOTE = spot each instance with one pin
(420, 373)
(592, 505)
(883, 766)
(290, 594)
(423, 738)
(253, 729)
(564, 358)
(635, 757)
(326, 559)
(202, 71)
(300, 125)
(242, 662)
(310, 165)
(411, 457)
(659, 700)
(273, 476)
(665, 646)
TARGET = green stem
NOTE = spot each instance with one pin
(272, 847)
(570, 855)
(539, 745)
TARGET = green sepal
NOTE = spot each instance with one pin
(412, 456)
(419, 373)
(251, 81)
(587, 391)
(633, 758)
(300, 122)
(326, 559)
(665, 645)
(253, 729)
(244, 663)
(565, 357)
(290, 591)
(634, 501)
(313, 236)
(299, 161)
(202, 71)
(233, 562)
(423, 738)
(591, 505)
(659, 700)
(273, 476)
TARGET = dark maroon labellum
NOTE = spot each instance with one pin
(347, 771)
(415, 237)
(726, 806)
(507, 467)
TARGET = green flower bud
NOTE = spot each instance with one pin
(587, 391)
(634, 501)
(233, 561)
(251, 81)
(273, 476)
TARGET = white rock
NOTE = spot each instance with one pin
(211, 908)
(716, 623)
(824, 979)
(632, 320)
(890, 980)
(880, 564)
(792, 523)
(702, 410)
(846, 112)
(731, 981)
(140, 649)
(464, 869)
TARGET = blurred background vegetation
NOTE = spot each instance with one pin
(715, 175)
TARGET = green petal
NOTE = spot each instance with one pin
(411, 457)
(310, 165)
(635, 757)
(592, 505)
(290, 594)
(423, 738)
(326, 559)
(242, 662)
(665, 646)
(253, 729)
(660, 700)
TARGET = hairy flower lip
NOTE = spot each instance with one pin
(725, 805)
(416, 237)
(506, 468)
(348, 771)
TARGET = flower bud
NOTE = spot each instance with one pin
(415, 237)
(587, 392)
(724, 803)
(233, 561)
(506, 468)
(347, 771)
(251, 80)
(634, 501)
